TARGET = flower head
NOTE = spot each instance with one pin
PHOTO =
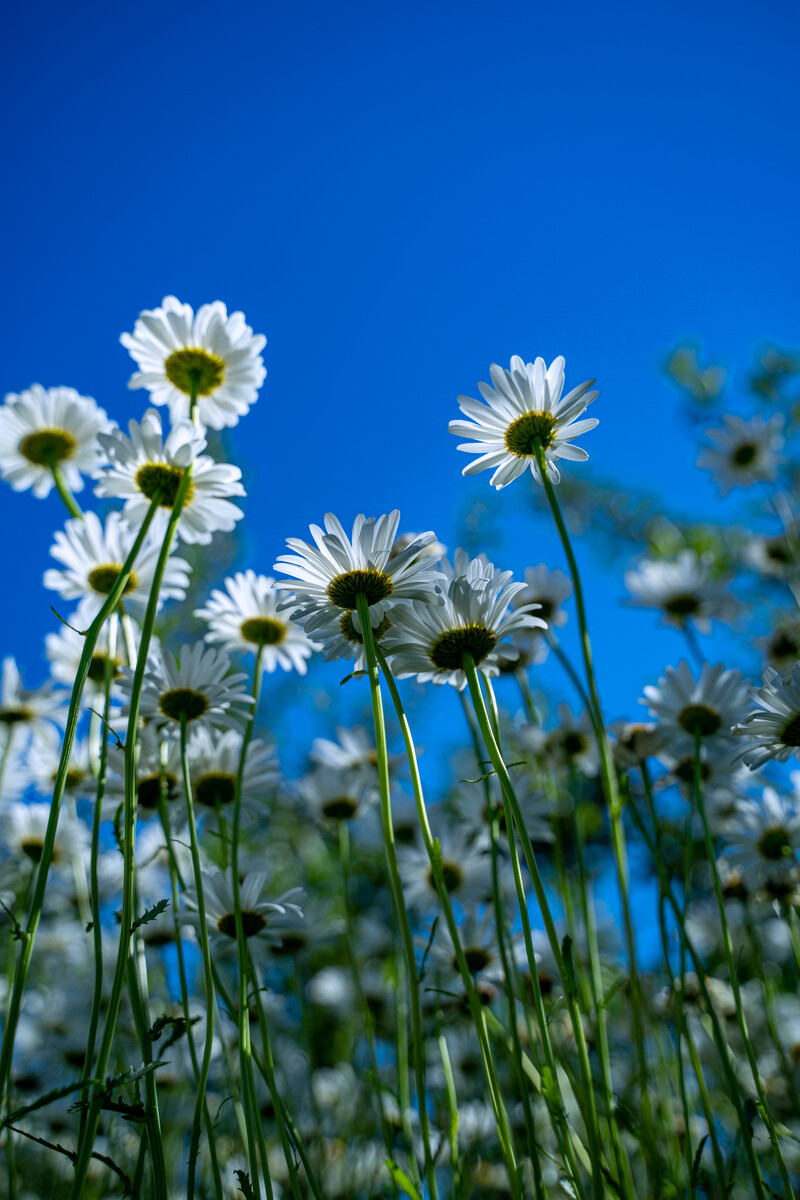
(45, 428)
(430, 641)
(684, 590)
(765, 839)
(215, 355)
(257, 913)
(34, 711)
(773, 729)
(525, 409)
(329, 577)
(145, 465)
(196, 686)
(745, 451)
(93, 556)
(245, 617)
(703, 708)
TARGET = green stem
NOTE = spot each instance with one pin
(476, 1009)
(66, 495)
(208, 979)
(396, 888)
(73, 716)
(129, 832)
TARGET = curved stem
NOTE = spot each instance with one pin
(73, 508)
(73, 715)
(396, 888)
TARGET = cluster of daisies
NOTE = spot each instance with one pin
(306, 886)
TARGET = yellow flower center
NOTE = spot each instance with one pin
(194, 369)
(532, 427)
(47, 447)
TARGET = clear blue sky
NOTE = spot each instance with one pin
(398, 195)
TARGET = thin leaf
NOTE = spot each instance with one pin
(696, 1163)
(150, 915)
(56, 1094)
(245, 1186)
(402, 1180)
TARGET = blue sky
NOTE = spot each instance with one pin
(398, 195)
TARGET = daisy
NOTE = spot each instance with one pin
(571, 744)
(478, 937)
(339, 634)
(525, 411)
(705, 707)
(683, 589)
(245, 617)
(16, 773)
(634, 741)
(63, 650)
(546, 590)
(43, 430)
(430, 641)
(80, 781)
(353, 751)
(334, 795)
(37, 712)
(145, 464)
(194, 685)
(773, 729)
(721, 772)
(25, 827)
(774, 556)
(476, 814)
(214, 355)
(466, 869)
(214, 765)
(745, 451)
(158, 767)
(257, 913)
(782, 647)
(93, 556)
(328, 579)
(766, 838)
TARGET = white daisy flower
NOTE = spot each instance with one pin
(572, 743)
(216, 355)
(773, 729)
(466, 869)
(429, 641)
(80, 781)
(684, 590)
(745, 451)
(16, 774)
(196, 684)
(353, 751)
(335, 795)
(143, 464)
(25, 826)
(774, 556)
(476, 814)
(245, 617)
(705, 707)
(328, 578)
(257, 913)
(634, 741)
(36, 712)
(93, 555)
(159, 765)
(782, 647)
(63, 650)
(214, 764)
(765, 840)
(547, 589)
(525, 409)
(478, 937)
(42, 429)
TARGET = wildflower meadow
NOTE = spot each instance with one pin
(562, 963)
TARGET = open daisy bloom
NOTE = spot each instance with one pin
(744, 451)
(145, 466)
(257, 913)
(47, 430)
(208, 354)
(328, 579)
(773, 729)
(525, 409)
(245, 617)
(685, 590)
(430, 641)
(765, 839)
(35, 712)
(690, 708)
(195, 687)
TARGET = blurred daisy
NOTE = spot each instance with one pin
(525, 409)
(775, 557)
(430, 641)
(684, 590)
(216, 355)
(245, 617)
(158, 767)
(354, 750)
(195, 685)
(705, 707)
(721, 772)
(214, 764)
(745, 451)
(63, 650)
(546, 590)
(334, 795)
(24, 829)
(144, 464)
(257, 913)
(773, 729)
(572, 743)
(333, 573)
(478, 937)
(782, 647)
(16, 775)
(634, 741)
(34, 712)
(766, 838)
(475, 813)
(80, 781)
(42, 429)
(93, 556)
(466, 869)
(339, 635)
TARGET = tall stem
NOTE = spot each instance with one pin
(73, 508)
(396, 888)
(73, 715)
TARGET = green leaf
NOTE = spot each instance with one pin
(245, 1186)
(696, 1163)
(150, 915)
(402, 1180)
(352, 675)
(179, 1028)
(56, 1094)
